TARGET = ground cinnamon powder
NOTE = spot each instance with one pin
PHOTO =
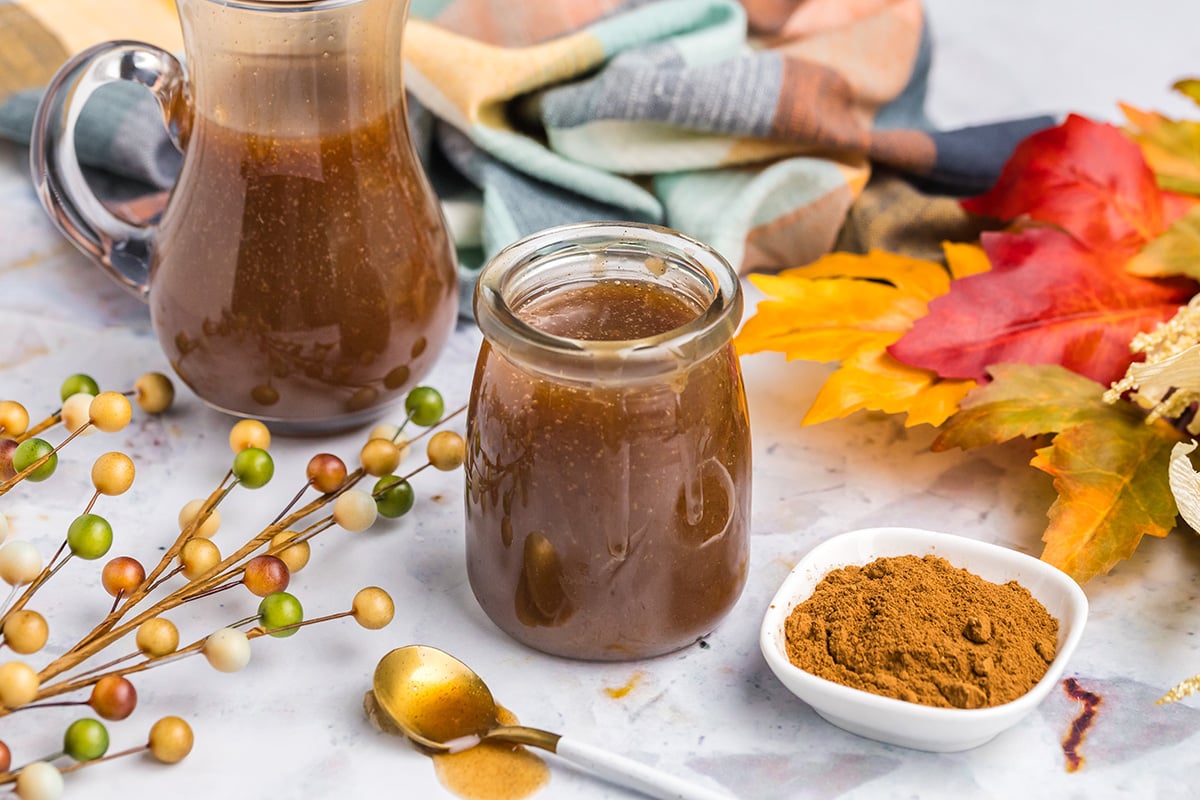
(919, 629)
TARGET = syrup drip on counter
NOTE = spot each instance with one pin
(1080, 725)
(493, 770)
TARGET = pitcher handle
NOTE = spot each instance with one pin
(122, 248)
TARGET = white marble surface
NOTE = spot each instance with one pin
(290, 725)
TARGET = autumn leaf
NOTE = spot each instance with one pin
(1085, 177)
(1176, 252)
(1112, 484)
(1189, 87)
(1171, 148)
(848, 308)
(1027, 400)
(873, 380)
(1109, 467)
(1046, 300)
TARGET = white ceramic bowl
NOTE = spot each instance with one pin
(895, 721)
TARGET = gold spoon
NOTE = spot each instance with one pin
(442, 705)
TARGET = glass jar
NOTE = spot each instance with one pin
(608, 442)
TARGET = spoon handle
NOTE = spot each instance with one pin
(634, 774)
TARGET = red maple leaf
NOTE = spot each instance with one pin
(1085, 177)
(1046, 300)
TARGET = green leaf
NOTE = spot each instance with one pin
(1176, 252)
(1029, 400)
(1110, 468)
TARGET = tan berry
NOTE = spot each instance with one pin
(373, 608)
(18, 684)
(112, 474)
(227, 650)
(295, 555)
(14, 419)
(154, 392)
(170, 740)
(20, 562)
(26, 631)
(210, 525)
(355, 510)
(110, 411)
(379, 457)
(446, 450)
(198, 556)
(77, 411)
(249, 433)
(157, 637)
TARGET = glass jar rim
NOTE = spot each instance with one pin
(629, 359)
(284, 6)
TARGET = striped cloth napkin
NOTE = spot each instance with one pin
(775, 130)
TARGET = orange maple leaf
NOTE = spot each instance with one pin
(849, 308)
(1109, 467)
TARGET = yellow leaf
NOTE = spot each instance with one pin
(874, 381)
(911, 276)
(826, 320)
(1189, 87)
(937, 403)
(1171, 148)
(1175, 252)
(849, 308)
(965, 259)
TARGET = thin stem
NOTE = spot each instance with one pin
(320, 526)
(20, 476)
(92, 502)
(400, 428)
(432, 427)
(312, 621)
(46, 574)
(418, 470)
(31, 706)
(215, 590)
(166, 577)
(80, 682)
(46, 424)
(112, 663)
(109, 630)
(11, 594)
(189, 530)
(81, 764)
(293, 502)
(149, 583)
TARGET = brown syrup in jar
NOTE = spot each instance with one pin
(302, 277)
(608, 522)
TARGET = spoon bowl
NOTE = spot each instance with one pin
(442, 705)
(433, 697)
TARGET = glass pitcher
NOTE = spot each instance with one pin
(301, 272)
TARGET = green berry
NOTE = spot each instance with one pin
(424, 406)
(79, 383)
(86, 739)
(393, 496)
(90, 536)
(278, 610)
(28, 452)
(253, 467)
